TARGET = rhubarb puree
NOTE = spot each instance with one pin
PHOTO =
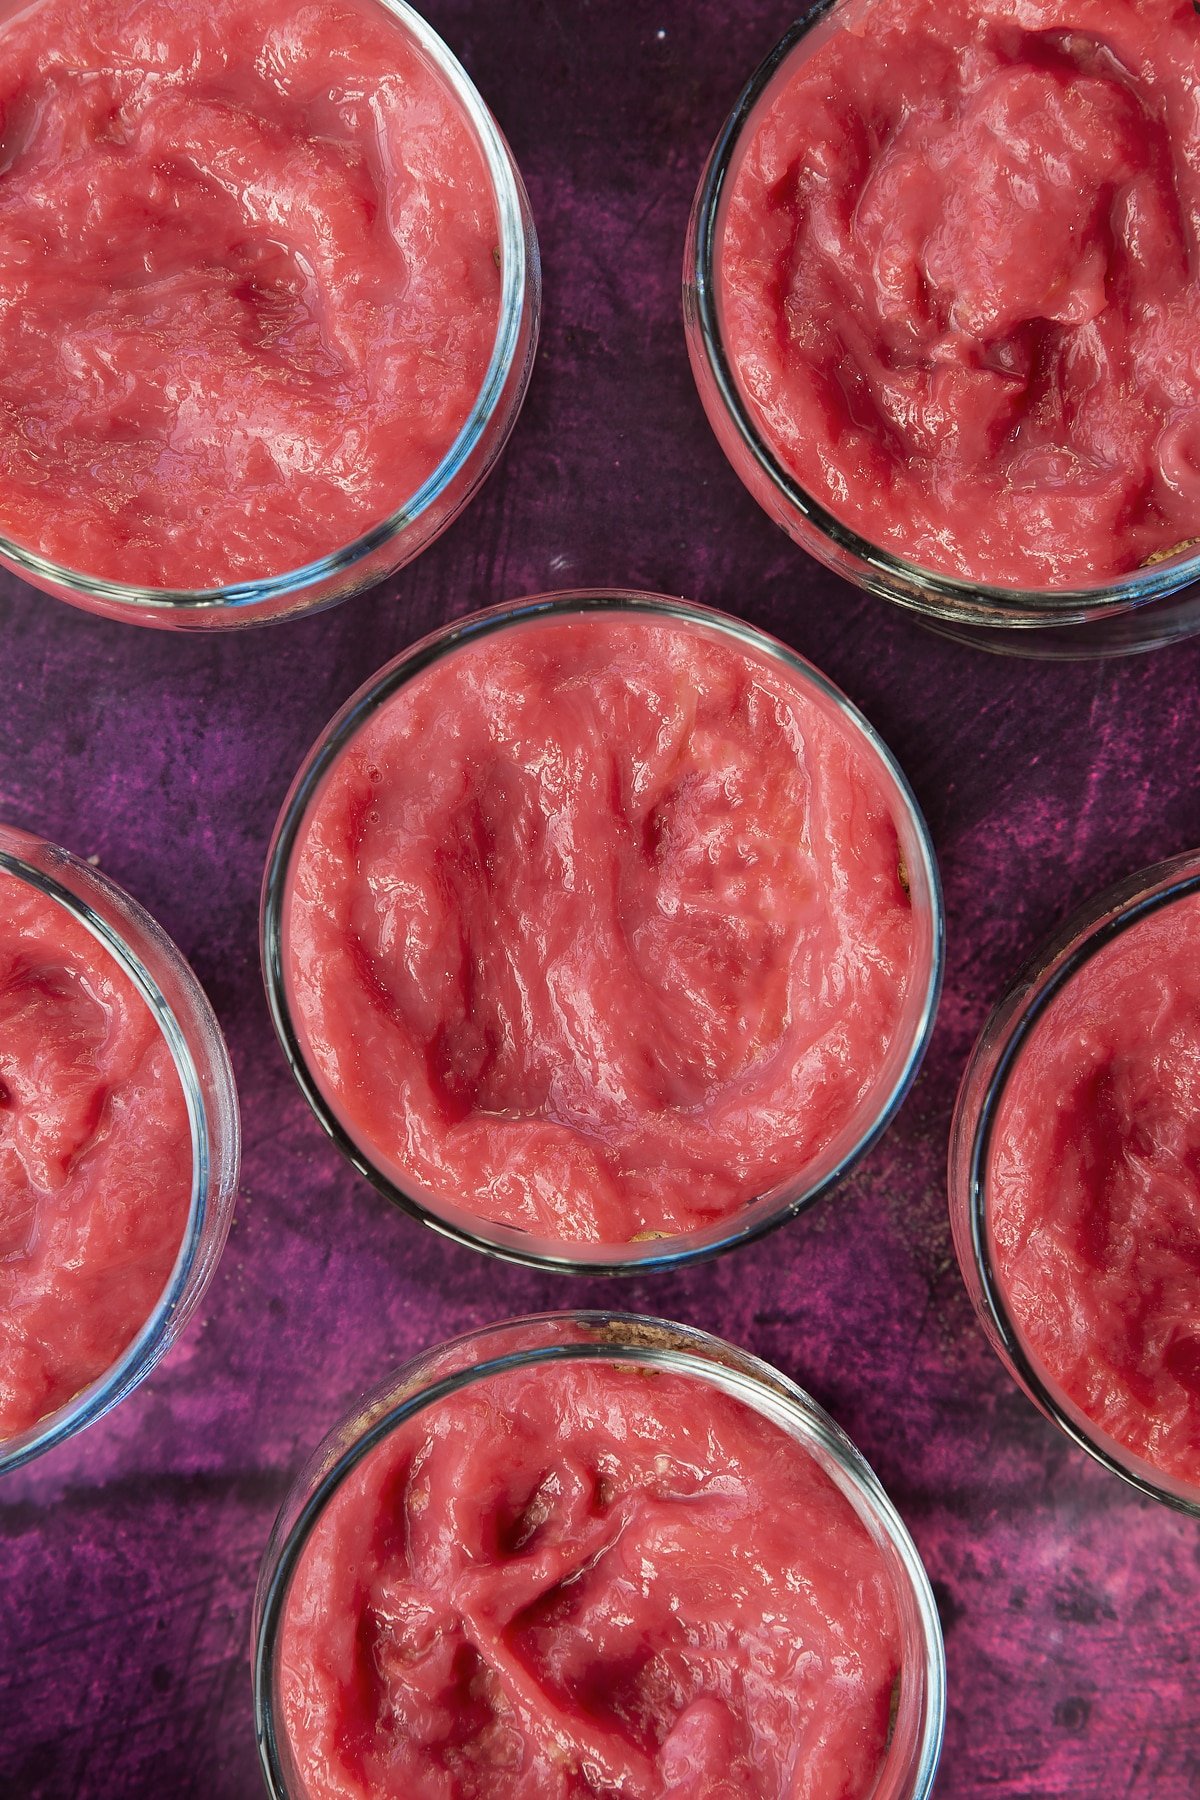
(95, 1158)
(1094, 1191)
(588, 1581)
(249, 281)
(600, 928)
(959, 281)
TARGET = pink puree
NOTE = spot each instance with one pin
(589, 1581)
(1095, 1190)
(960, 281)
(95, 1159)
(598, 929)
(248, 286)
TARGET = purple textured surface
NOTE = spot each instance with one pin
(127, 1559)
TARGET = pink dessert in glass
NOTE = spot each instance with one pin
(587, 1578)
(1093, 1192)
(250, 282)
(957, 282)
(601, 926)
(96, 1158)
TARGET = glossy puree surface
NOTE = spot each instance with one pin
(599, 928)
(1094, 1190)
(95, 1158)
(249, 281)
(585, 1580)
(959, 281)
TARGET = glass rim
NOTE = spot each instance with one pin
(140, 1355)
(737, 1372)
(1091, 928)
(511, 1244)
(906, 583)
(517, 265)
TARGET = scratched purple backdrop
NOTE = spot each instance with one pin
(129, 1557)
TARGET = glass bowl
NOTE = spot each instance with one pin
(995, 1057)
(653, 1345)
(873, 1113)
(159, 974)
(1154, 605)
(420, 517)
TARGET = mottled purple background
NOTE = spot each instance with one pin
(127, 1559)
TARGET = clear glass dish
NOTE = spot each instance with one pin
(421, 517)
(160, 975)
(916, 1735)
(1154, 605)
(875, 1112)
(984, 1085)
